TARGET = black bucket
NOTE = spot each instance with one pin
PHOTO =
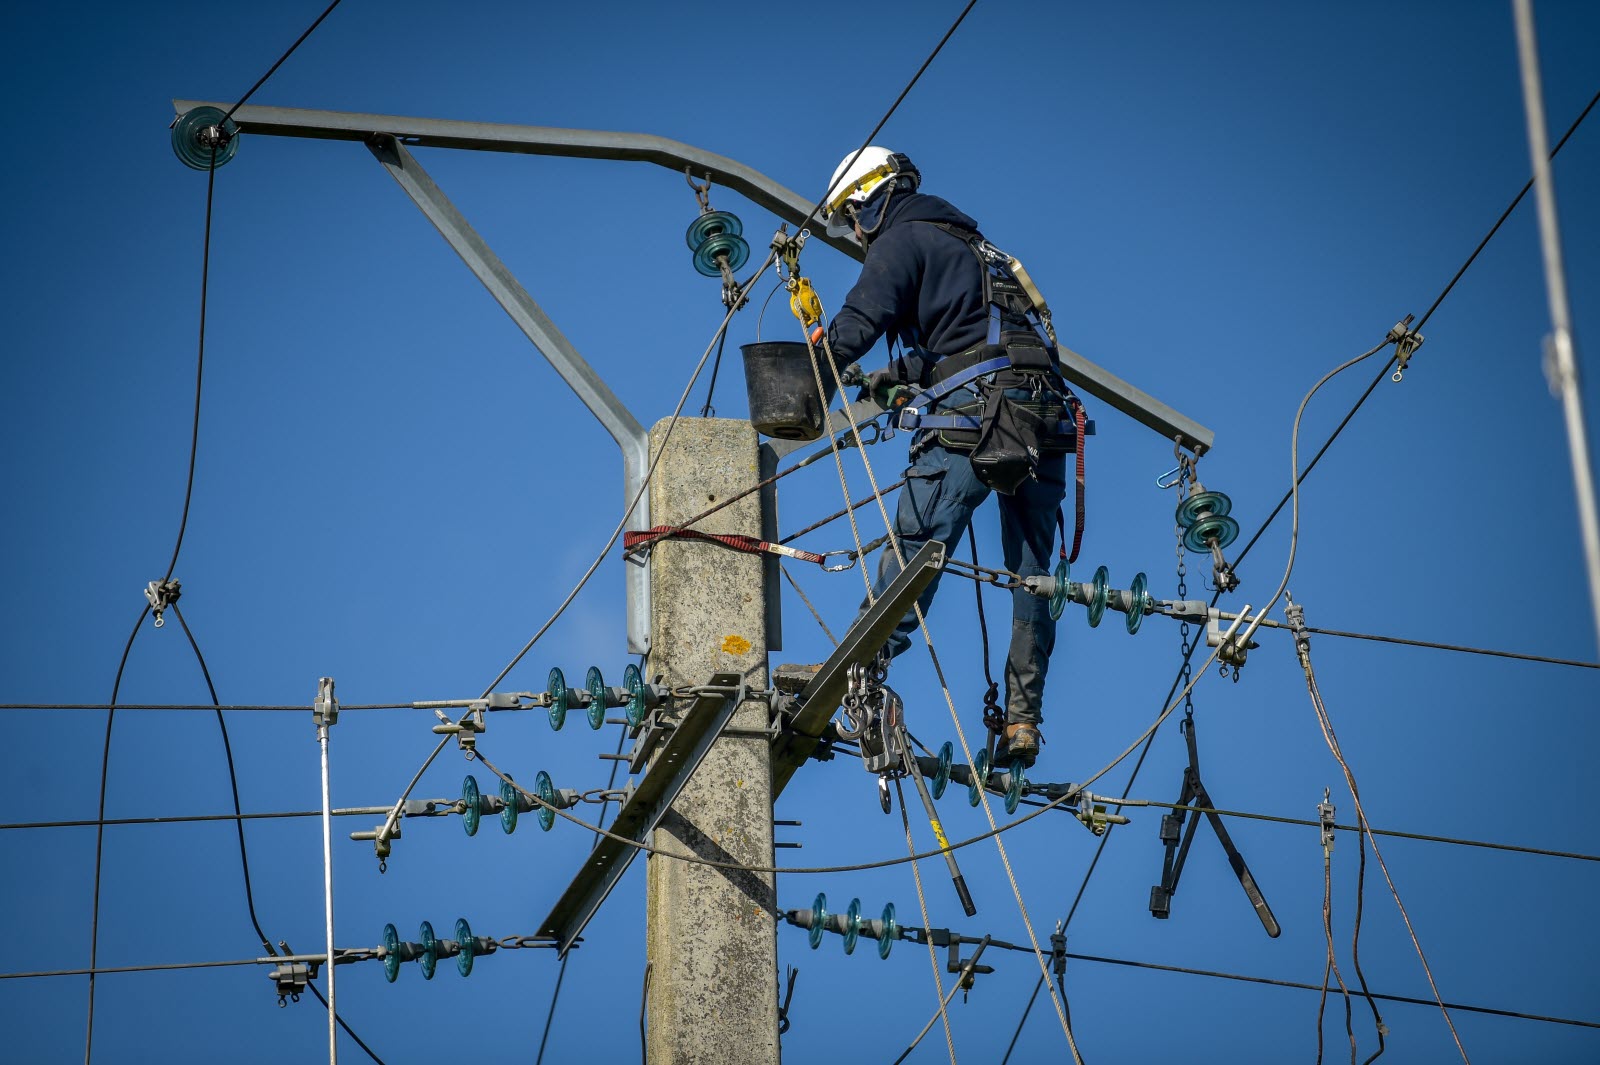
(783, 389)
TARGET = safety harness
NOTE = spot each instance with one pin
(1006, 439)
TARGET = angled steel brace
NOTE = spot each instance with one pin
(1172, 865)
(549, 341)
(679, 756)
(860, 645)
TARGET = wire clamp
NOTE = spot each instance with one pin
(1406, 341)
(325, 710)
(162, 594)
(1325, 817)
(290, 979)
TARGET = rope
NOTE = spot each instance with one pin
(927, 636)
(922, 906)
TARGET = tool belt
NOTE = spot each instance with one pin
(1005, 436)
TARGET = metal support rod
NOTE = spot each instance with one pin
(1561, 363)
(915, 773)
(552, 344)
(325, 711)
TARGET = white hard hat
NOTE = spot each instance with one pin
(856, 178)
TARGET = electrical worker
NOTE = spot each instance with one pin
(925, 283)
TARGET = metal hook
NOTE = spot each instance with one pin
(1172, 478)
(701, 192)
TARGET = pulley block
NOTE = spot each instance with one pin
(201, 135)
(980, 778)
(819, 916)
(709, 225)
(852, 926)
(636, 705)
(559, 699)
(1098, 596)
(597, 697)
(471, 805)
(468, 947)
(391, 953)
(1195, 507)
(429, 958)
(728, 244)
(1015, 787)
(1058, 598)
(546, 791)
(1138, 602)
(1218, 526)
(941, 777)
(514, 804)
(890, 933)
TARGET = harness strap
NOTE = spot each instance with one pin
(953, 382)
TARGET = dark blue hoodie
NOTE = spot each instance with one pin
(919, 284)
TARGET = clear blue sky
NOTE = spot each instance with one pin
(1222, 202)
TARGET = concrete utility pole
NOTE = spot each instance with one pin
(712, 933)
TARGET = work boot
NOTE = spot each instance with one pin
(1019, 745)
(791, 678)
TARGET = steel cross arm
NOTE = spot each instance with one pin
(1142, 407)
(860, 645)
(643, 809)
(533, 140)
(555, 347)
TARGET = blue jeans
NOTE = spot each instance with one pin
(937, 502)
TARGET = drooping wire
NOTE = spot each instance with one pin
(1423, 321)
(561, 973)
(244, 854)
(711, 390)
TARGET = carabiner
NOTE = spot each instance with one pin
(1172, 478)
(850, 562)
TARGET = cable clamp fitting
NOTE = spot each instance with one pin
(290, 979)
(325, 710)
(1325, 817)
(1406, 341)
(162, 594)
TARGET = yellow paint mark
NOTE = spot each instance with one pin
(736, 645)
(938, 834)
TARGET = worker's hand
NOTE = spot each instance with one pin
(882, 388)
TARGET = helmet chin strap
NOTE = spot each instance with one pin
(854, 213)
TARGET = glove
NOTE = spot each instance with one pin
(883, 389)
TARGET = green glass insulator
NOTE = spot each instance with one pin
(891, 931)
(430, 950)
(1192, 509)
(468, 947)
(558, 699)
(636, 706)
(852, 926)
(980, 778)
(1220, 527)
(1099, 596)
(192, 137)
(471, 805)
(391, 953)
(729, 244)
(1138, 602)
(1058, 598)
(596, 685)
(819, 915)
(709, 225)
(941, 778)
(546, 791)
(508, 813)
(1015, 787)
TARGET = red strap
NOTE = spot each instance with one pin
(1081, 420)
(636, 540)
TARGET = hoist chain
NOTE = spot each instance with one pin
(1185, 475)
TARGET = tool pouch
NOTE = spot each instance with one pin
(1010, 441)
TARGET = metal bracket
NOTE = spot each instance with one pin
(822, 695)
(325, 710)
(680, 754)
